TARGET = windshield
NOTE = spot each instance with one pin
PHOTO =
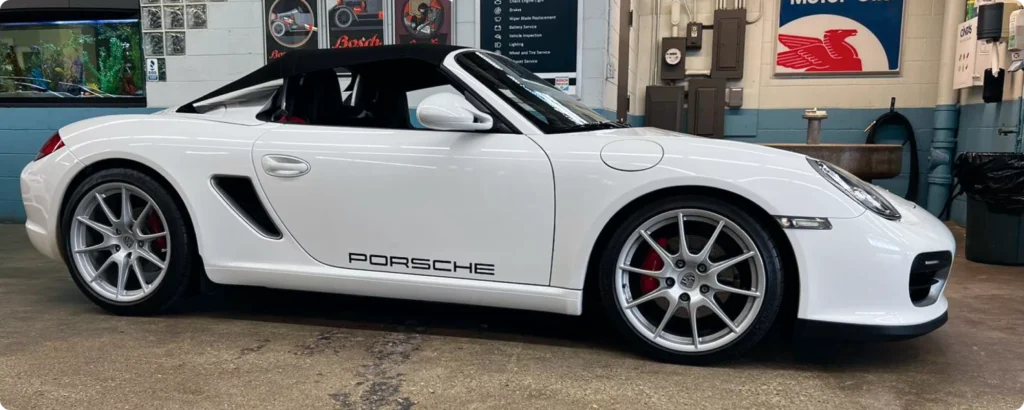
(552, 110)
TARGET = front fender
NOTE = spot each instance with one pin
(589, 193)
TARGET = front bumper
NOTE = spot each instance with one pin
(866, 333)
(856, 281)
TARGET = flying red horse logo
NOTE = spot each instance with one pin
(812, 54)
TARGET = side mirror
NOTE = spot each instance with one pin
(450, 112)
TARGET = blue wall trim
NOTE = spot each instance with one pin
(22, 132)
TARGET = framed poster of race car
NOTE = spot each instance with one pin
(290, 25)
(356, 23)
(423, 21)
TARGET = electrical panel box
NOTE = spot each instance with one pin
(705, 111)
(727, 44)
(666, 107)
(694, 36)
(673, 58)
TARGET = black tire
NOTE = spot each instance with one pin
(182, 264)
(278, 29)
(344, 17)
(773, 292)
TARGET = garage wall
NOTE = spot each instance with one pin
(232, 46)
(229, 48)
(914, 87)
(987, 127)
(772, 107)
(22, 132)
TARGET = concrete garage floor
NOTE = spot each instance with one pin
(257, 348)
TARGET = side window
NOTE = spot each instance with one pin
(366, 97)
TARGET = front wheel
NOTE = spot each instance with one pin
(126, 243)
(691, 280)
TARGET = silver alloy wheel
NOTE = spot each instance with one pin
(689, 283)
(122, 257)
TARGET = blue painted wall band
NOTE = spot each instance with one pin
(23, 130)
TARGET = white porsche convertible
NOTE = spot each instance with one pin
(311, 174)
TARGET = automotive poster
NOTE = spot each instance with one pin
(423, 21)
(822, 37)
(356, 23)
(290, 25)
(542, 36)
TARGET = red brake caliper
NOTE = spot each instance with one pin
(154, 225)
(652, 262)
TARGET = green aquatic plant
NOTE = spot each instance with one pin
(111, 64)
(8, 68)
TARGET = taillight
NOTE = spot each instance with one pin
(51, 145)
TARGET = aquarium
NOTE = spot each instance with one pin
(72, 61)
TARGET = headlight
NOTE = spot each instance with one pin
(855, 188)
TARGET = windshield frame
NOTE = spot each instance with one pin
(551, 110)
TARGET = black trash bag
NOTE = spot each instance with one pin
(995, 178)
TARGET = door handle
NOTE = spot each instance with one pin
(284, 166)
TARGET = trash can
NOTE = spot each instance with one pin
(994, 184)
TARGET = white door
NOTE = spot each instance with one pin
(456, 204)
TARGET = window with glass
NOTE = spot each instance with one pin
(550, 109)
(72, 61)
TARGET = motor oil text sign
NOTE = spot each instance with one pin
(818, 37)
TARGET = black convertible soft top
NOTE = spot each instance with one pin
(384, 59)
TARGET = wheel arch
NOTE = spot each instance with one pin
(113, 163)
(790, 269)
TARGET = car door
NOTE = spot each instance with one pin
(444, 203)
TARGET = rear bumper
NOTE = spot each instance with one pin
(43, 184)
(866, 333)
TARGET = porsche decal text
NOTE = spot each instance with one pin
(437, 265)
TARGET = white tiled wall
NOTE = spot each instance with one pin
(465, 22)
(594, 39)
(230, 47)
(233, 46)
(612, 44)
(915, 86)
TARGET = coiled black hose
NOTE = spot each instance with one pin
(893, 117)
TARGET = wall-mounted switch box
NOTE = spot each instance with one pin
(694, 35)
(734, 97)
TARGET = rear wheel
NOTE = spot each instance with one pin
(691, 280)
(278, 29)
(126, 243)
